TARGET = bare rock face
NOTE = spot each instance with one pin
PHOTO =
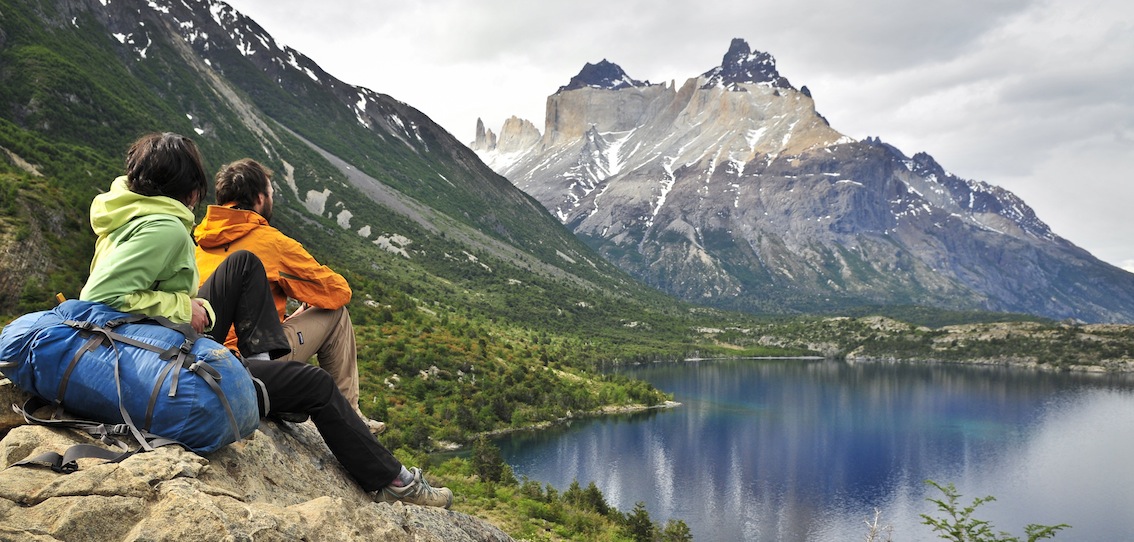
(10, 394)
(517, 134)
(280, 484)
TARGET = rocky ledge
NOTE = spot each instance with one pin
(282, 483)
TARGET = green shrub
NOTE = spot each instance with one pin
(959, 525)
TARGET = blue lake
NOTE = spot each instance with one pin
(795, 450)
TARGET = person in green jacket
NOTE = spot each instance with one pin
(144, 263)
(148, 234)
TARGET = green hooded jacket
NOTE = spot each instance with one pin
(144, 257)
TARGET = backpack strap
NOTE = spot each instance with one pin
(69, 461)
(90, 345)
(185, 329)
(211, 376)
(177, 356)
(111, 434)
(262, 391)
(100, 333)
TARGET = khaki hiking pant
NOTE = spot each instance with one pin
(329, 336)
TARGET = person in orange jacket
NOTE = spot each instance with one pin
(321, 327)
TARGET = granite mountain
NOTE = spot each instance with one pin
(732, 190)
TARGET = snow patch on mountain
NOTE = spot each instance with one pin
(343, 219)
(360, 110)
(666, 185)
(395, 244)
(613, 157)
(316, 201)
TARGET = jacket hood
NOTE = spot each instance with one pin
(114, 209)
(223, 225)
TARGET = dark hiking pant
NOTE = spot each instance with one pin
(240, 295)
(294, 386)
(238, 291)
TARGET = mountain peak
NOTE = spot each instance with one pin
(604, 75)
(741, 64)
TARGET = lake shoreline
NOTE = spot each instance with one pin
(1110, 366)
(1107, 367)
(608, 410)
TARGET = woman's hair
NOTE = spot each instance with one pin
(166, 164)
(242, 182)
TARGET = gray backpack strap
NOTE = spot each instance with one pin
(69, 461)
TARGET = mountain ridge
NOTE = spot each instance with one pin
(733, 190)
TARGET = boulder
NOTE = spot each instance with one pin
(282, 483)
(9, 395)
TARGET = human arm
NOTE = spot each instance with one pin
(304, 279)
(146, 267)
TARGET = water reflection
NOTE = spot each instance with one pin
(792, 450)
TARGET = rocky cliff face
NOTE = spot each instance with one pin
(733, 190)
(280, 484)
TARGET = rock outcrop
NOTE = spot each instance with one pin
(605, 74)
(280, 484)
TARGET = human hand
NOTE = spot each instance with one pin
(302, 307)
(200, 316)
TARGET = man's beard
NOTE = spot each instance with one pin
(266, 211)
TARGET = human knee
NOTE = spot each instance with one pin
(318, 380)
(344, 318)
(244, 260)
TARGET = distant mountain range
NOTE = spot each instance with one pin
(732, 190)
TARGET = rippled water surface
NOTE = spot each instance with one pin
(801, 450)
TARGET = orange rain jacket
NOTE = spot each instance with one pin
(292, 271)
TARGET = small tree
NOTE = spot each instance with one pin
(639, 525)
(487, 461)
(594, 500)
(959, 525)
(676, 531)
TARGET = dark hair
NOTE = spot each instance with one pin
(166, 164)
(242, 182)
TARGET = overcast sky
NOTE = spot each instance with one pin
(1036, 96)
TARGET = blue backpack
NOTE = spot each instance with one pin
(132, 376)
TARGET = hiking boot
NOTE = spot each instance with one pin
(376, 427)
(293, 417)
(419, 492)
